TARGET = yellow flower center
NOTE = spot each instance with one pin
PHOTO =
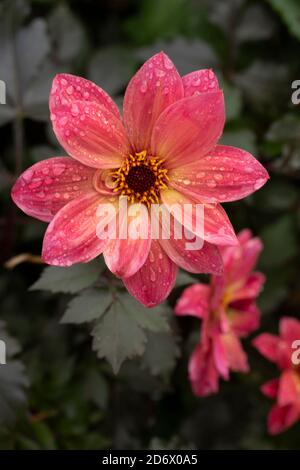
(140, 178)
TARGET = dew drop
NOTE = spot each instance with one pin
(74, 109)
(59, 169)
(143, 88)
(70, 90)
(160, 73)
(27, 176)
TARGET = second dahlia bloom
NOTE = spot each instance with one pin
(228, 311)
(163, 150)
(285, 390)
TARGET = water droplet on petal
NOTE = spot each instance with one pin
(59, 169)
(160, 73)
(143, 88)
(74, 109)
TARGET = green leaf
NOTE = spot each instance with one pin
(255, 24)
(233, 101)
(13, 381)
(96, 389)
(289, 10)
(154, 319)
(12, 345)
(280, 242)
(156, 19)
(161, 353)
(287, 128)
(44, 436)
(243, 138)
(88, 306)
(183, 278)
(265, 83)
(112, 67)
(280, 195)
(117, 337)
(36, 96)
(68, 280)
(32, 48)
(66, 33)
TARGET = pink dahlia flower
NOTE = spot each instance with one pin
(284, 351)
(164, 150)
(228, 311)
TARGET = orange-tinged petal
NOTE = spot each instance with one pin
(90, 133)
(71, 236)
(188, 129)
(152, 89)
(44, 188)
(200, 81)
(67, 88)
(215, 227)
(224, 174)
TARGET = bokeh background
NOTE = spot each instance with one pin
(54, 392)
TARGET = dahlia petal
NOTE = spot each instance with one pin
(71, 236)
(155, 280)
(243, 322)
(224, 174)
(236, 356)
(289, 330)
(289, 392)
(44, 188)
(67, 88)
(270, 388)
(200, 81)
(281, 418)
(220, 356)
(251, 289)
(267, 345)
(215, 227)
(205, 259)
(188, 129)
(124, 257)
(90, 133)
(194, 301)
(203, 374)
(152, 89)
(240, 262)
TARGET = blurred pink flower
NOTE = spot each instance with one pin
(286, 389)
(228, 311)
(163, 150)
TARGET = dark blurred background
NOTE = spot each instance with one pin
(54, 392)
